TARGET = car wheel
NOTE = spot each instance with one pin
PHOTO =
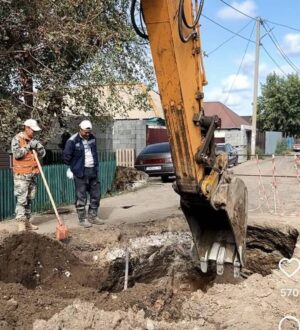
(164, 178)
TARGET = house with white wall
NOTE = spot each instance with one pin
(234, 129)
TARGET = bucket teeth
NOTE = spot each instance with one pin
(221, 254)
(214, 251)
(203, 266)
(204, 262)
(236, 267)
(221, 260)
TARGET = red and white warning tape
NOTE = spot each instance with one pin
(296, 162)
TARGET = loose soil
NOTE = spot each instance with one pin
(78, 284)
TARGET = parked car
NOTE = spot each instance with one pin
(296, 145)
(155, 160)
(230, 150)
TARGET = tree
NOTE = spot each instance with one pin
(279, 104)
(74, 53)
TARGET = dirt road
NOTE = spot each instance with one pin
(79, 284)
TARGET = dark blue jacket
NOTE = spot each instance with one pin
(74, 154)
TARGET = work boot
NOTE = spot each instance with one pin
(31, 226)
(21, 226)
(85, 224)
(96, 221)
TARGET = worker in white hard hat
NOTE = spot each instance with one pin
(25, 171)
(80, 154)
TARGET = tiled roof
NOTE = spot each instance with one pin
(229, 118)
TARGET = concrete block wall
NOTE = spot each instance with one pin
(104, 138)
(233, 137)
(238, 138)
(129, 133)
(121, 134)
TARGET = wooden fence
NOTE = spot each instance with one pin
(125, 157)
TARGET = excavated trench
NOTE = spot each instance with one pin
(38, 261)
(40, 276)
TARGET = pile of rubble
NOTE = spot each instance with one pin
(128, 178)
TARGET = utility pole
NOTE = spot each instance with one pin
(255, 87)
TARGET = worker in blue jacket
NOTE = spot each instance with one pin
(80, 154)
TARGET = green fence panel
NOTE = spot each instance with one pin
(62, 188)
(7, 199)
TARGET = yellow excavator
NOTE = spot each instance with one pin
(213, 201)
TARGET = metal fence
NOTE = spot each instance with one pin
(61, 187)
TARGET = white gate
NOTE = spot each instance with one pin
(125, 157)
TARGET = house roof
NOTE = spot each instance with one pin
(248, 119)
(229, 118)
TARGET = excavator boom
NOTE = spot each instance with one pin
(213, 201)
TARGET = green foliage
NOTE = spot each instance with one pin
(279, 104)
(282, 148)
(74, 55)
(258, 151)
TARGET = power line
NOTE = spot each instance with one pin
(225, 28)
(277, 45)
(239, 11)
(275, 23)
(240, 66)
(283, 25)
(229, 39)
(278, 66)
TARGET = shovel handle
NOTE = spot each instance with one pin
(47, 187)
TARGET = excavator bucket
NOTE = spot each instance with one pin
(219, 226)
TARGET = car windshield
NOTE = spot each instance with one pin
(156, 148)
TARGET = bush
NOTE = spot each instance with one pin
(282, 148)
(258, 151)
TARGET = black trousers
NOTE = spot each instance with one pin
(88, 184)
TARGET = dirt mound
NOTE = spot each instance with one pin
(81, 315)
(127, 177)
(228, 306)
(33, 260)
(254, 304)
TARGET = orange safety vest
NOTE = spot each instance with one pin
(27, 164)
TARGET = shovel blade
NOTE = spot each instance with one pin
(61, 232)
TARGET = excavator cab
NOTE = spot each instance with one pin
(213, 201)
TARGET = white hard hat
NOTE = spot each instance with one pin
(32, 124)
(85, 124)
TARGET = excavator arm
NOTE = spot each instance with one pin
(213, 201)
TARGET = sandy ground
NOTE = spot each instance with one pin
(79, 284)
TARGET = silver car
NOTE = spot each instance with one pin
(231, 152)
(155, 160)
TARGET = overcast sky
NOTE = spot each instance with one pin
(222, 64)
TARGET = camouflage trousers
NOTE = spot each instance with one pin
(24, 190)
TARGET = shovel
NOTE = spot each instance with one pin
(61, 232)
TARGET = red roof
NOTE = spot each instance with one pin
(229, 118)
